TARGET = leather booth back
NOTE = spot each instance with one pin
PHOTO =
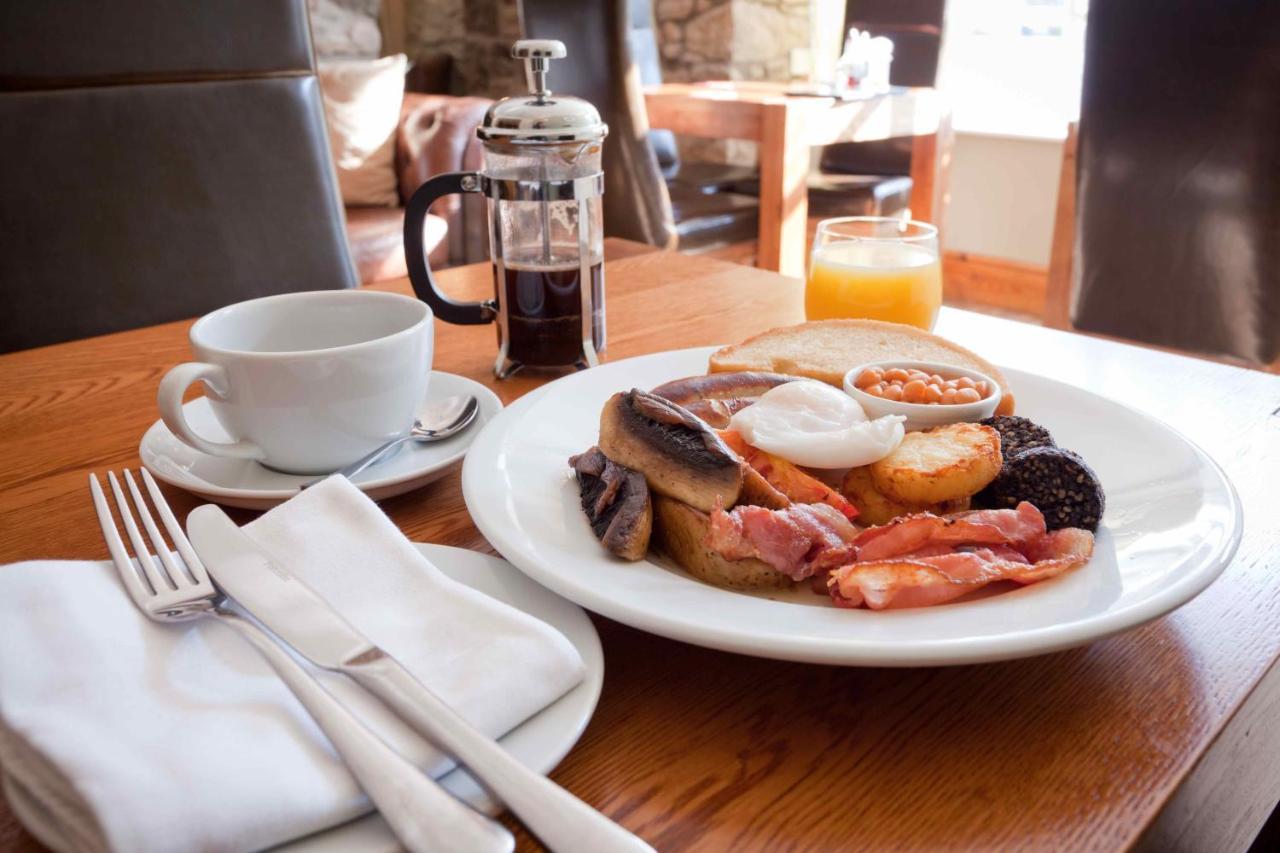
(1178, 181)
(599, 69)
(160, 159)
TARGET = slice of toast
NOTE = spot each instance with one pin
(827, 349)
(680, 532)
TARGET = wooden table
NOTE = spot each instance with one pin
(787, 126)
(1167, 736)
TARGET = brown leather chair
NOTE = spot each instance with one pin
(600, 68)
(1178, 187)
(160, 159)
(437, 134)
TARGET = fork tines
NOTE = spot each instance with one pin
(169, 586)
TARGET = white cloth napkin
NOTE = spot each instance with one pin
(133, 735)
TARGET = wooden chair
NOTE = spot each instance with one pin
(1057, 297)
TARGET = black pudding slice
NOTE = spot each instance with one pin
(1057, 481)
(1018, 434)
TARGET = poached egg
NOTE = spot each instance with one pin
(815, 425)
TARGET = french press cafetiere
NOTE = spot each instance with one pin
(543, 182)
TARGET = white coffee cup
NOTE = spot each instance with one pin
(306, 382)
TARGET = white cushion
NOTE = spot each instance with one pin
(362, 99)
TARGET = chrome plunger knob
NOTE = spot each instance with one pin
(537, 55)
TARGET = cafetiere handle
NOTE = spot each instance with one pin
(424, 284)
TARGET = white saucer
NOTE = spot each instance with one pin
(245, 483)
(539, 742)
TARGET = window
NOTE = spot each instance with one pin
(1013, 67)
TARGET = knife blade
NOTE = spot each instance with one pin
(292, 610)
(308, 623)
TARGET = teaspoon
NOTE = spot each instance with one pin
(436, 421)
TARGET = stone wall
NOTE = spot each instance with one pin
(697, 40)
(478, 35)
(728, 40)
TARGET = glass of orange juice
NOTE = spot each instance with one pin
(875, 267)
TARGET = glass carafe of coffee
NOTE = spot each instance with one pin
(542, 179)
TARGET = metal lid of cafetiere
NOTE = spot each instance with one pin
(538, 118)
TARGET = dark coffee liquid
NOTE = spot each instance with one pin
(544, 313)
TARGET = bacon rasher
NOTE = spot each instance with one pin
(924, 559)
(797, 541)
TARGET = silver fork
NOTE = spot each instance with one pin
(423, 815)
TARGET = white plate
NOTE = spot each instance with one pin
(245, 483)
(539, 742)
(1172, 523)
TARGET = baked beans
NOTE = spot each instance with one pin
(909, 385)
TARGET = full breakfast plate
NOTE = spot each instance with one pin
(1172, 522)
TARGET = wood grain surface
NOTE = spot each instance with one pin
(1057, 301)
(1100, 748)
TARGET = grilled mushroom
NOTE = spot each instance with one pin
(616, 501)
(679, 455)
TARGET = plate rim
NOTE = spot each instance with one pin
(849, 652)
(484, 394)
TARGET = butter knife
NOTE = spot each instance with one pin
(304, 620)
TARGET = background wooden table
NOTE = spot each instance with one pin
(787, 126)
(1167, 736)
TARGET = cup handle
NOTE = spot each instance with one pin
(415, 253)
(169, 398)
